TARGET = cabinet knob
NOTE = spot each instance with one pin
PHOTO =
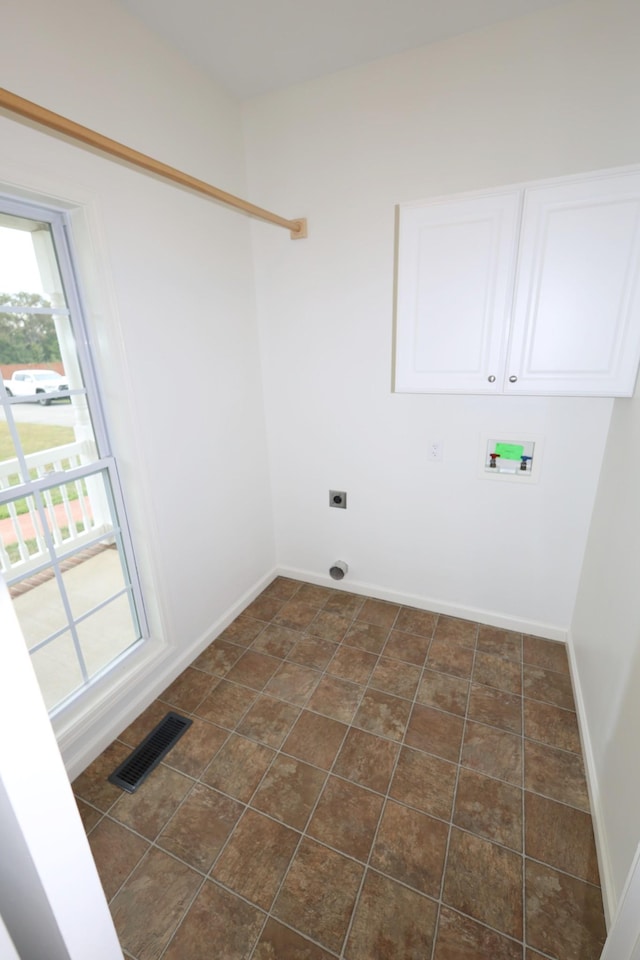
(491, 379)
(512, 379)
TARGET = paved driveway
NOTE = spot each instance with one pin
(59, 413)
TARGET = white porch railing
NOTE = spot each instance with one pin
(80, 515)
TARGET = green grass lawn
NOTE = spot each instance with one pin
(34, 437)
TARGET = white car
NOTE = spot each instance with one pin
(47, 385)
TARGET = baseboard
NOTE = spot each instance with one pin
(104, 718)
(623, 941)
(597, 816)
(490, 617)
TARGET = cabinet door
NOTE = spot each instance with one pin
(576, 319)
(455, 268)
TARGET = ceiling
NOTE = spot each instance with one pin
(254, 46)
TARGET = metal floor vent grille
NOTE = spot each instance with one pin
(148, 754)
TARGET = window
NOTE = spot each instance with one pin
(65, 550)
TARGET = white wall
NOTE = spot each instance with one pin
(51, 901)
(552, 94)
(169, 283)
(7, 948)
(606, 641)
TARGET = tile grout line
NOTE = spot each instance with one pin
(206, 874)
(185, 914)
(349, 727)
(440, 709)
(309, 818)
(441, 901)
(305, 636)
(383, 807)
(158, 846)
(521, 699)
(278, 753)
(368, 685)
(403, 745)
(306, 707)
(231, 832)
(403, 803)
(154, 842)
(305, 935)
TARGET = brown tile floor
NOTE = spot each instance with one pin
(361, 780)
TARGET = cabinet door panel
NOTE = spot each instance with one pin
(455, 265)
(576, 317)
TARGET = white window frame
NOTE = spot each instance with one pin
(59, 221)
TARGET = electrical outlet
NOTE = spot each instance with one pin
(434, 450)
(338, 498)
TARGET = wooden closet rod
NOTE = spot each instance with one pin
(32, 111)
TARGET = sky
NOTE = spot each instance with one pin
(18, 270)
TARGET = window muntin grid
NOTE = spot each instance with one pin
(59, 488)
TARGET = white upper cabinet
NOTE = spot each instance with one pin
(531, 290)
(455, 288)
(576, 315)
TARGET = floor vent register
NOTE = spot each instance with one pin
(147, 755)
